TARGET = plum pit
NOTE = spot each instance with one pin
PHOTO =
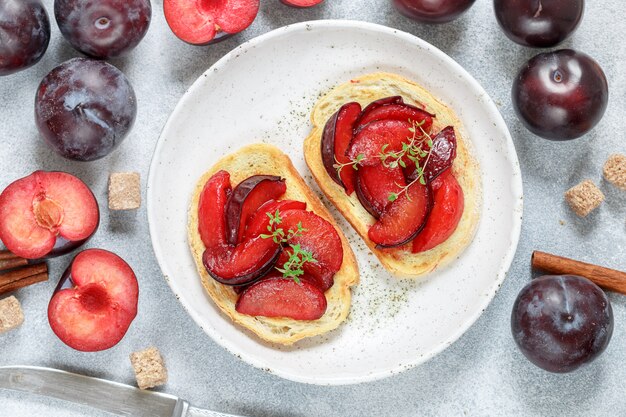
(48, 213)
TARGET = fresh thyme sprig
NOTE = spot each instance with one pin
(413, 150)
(418, 148)
(354, 163)
(278, 234)
(293, 268)
(426, 139)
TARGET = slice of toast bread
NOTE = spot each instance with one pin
(365, 89)
(262, 159)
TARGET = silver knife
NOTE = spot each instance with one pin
(101, 394)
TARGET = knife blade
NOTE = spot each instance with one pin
(101, 394)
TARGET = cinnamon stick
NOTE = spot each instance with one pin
(22, 277)
(610, 279)
(9, 260)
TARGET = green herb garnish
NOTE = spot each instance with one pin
(293, 268)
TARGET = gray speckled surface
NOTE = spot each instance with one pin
(482, 374)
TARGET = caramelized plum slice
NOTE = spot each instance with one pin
(241, 264)
(211, 218)
(375, 183)
(259, 221)
(369, 141)
(282, 297)
(404, 112)
(335, 142)
(95, 301)
(321, 239)
(441, 157)
(448, 205)
(404, 218)
(379, 103)
(47, 214)
(229, 264)
(246, 198)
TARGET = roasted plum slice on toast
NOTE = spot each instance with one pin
(336, 139)
(368, 142)
(47, 214)
(320, 238)
(204, 22)
(230, 264)
(95, 301)
(448, 204)
(282, 297)
(441, 156)
(259, 222)
(404, 218)
(403, 112)
(246, 198)
(375, 184)
(379, 103)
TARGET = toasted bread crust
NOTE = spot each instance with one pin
(269, 160)
(365, 89)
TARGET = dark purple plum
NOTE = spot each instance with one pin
(103, 28)
(433, 11)
(538, 23)
(561, 322)
(560, 95)
(85, 108)
(24, 34)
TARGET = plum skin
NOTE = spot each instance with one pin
(84, 108)
(560, 95)
(433, 11)
(538, 24)
(561, 323)
(24, 23)
(103, 29)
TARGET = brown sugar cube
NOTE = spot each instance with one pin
(149, 368)
(615, 170)
(124, 191)
(584, 198)
(11, 315)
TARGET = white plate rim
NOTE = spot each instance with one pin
(516, 188)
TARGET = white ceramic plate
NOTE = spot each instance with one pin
(264, 91)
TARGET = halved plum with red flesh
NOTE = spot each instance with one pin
(211, 217)
(448, 205)
(201, 22)
(404, 218)
(282, 297)
(259, 222)
(404, 112)
(229, 264)
(301, 3)
(369, 141)
(336, 139)
(441, 156)
(320, 238)
(47, 214)
(245, 200)
(375, 183)
(95, 301)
